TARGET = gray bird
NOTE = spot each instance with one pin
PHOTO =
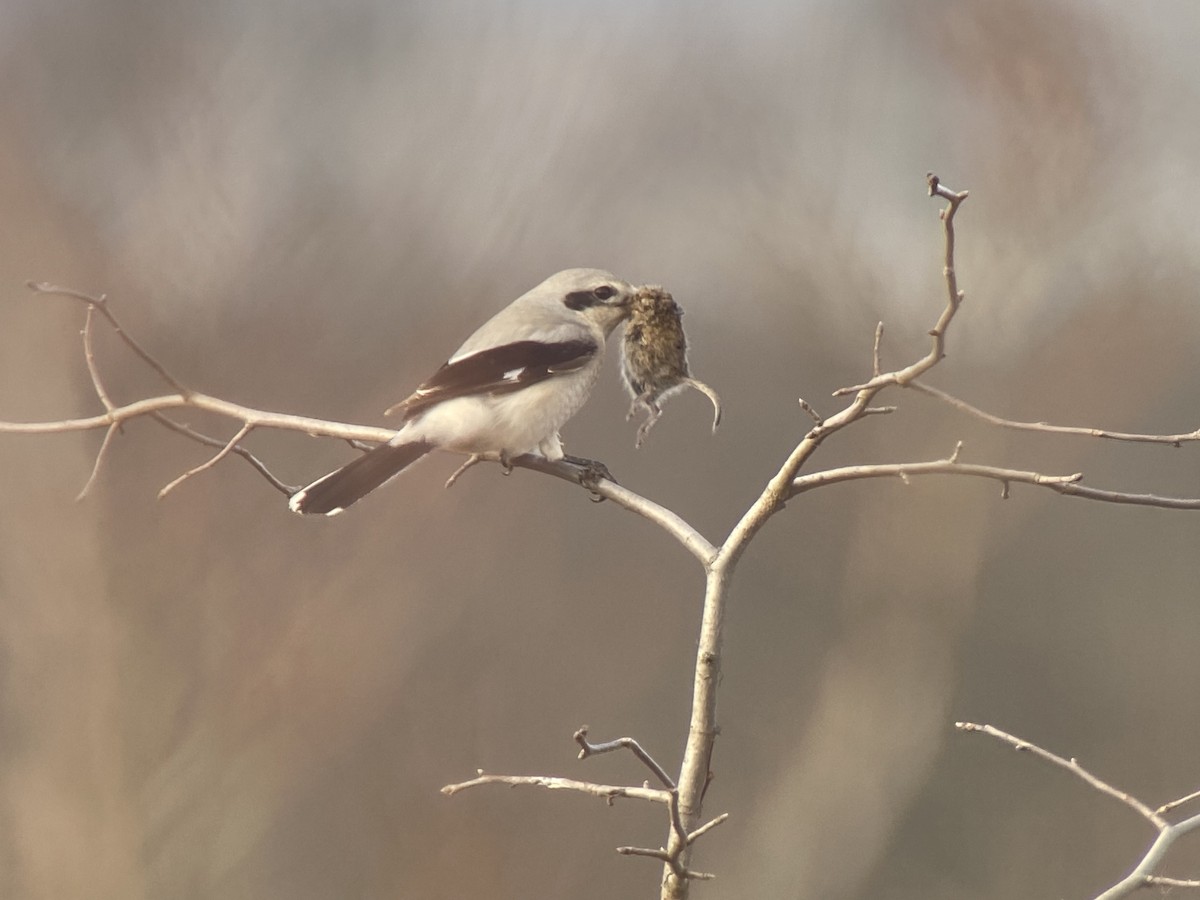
(507, 390)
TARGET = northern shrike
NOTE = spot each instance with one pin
(654, 363)
(508, 389)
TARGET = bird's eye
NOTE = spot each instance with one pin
(604, 292)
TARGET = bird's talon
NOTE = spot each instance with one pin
(591, 473)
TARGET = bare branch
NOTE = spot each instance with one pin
(954, 300)
(627, 743)
(673, 524)
(221, 454)
(905, 471)
(241, 451)
(1142, 874)
(1162, 881)
(90, 357)
(108, 436)
(707, 827)
(1067, 485)
(607, 792)
(955, 295)
(195, 400)
(702, 730)
(661, 854)
(812, 413)
(780, 487)
(680, 832)
(1091, 493)
(100, 304)
(691, 539)
(876, 363)
(1175, 804)
(1071, 766)
(1174, 440)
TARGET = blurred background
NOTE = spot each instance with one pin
(305, 207)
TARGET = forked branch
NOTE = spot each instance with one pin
(671, 856)
(1142, 875)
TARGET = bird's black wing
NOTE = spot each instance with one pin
(499, 370)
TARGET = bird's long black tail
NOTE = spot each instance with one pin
(330, 495)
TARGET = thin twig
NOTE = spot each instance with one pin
(876, 369)
(104, 444)
(626, 743)
(100, 304)
(98, 385)
(1071, 766)
(905, 471)
(659, 854)
(955, 297)
(1175, 804)
(259, 465)
(195, 400)
(1067, 485)
(220, 455)
(680, 871)
(1090, 493)
(1174, 440)
(1163, 881)
(707, 827)
(90, 358)
(607, 792)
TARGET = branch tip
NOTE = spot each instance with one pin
(220, 455)
(812, 412)
(586, 749)
(1175, 804)
(1071, 765)
(707, 827)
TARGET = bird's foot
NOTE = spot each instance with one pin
(591, 473)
